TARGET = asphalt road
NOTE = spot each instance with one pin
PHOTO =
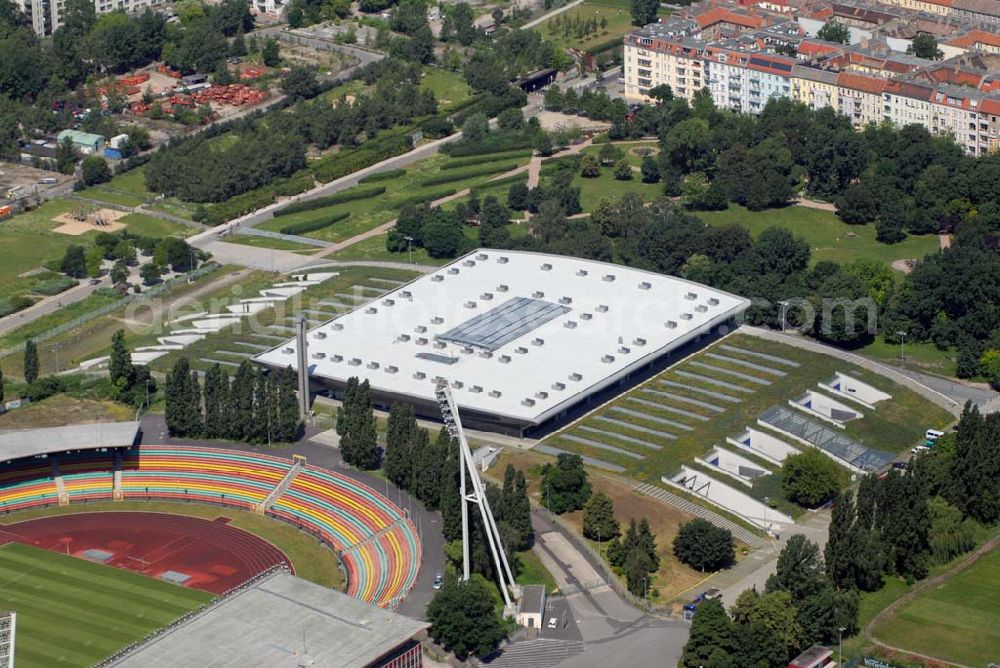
(154, 431)
(51, 304)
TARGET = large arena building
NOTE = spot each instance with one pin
(521, 337)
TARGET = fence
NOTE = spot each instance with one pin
(152, 291)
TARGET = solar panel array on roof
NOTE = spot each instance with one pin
(503, 323)
(829, 440)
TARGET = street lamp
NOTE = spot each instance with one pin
(902, 356)
(767, 500)
(409, 247)
(840, 645)
(784, 312)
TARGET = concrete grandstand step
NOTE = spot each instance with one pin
(209, 360)
(669, 409)
(685, 400)
(537, 653)
(593, 461)
(255, 346)
(234, 353)
(708, 393)
(763, 356)
(620, 437)
(335, 304)
(714, 381)
(740, 533)
(268, 337)
(386, 281)
(372, 288)
(729, 372)
(650, 418)
(635, 427)
(743, 363)
(355, 299)
(601, 446)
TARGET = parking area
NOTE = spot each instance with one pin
(17, 180)
(557, 608)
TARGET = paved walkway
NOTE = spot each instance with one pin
(545, 17)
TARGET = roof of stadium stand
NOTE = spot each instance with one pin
(17, 443)
(281, 621)
(518, 334)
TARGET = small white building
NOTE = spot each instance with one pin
(531, 608)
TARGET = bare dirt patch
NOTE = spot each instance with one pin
(904, 266)
(81, 221)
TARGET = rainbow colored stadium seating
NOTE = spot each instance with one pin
(376, 541)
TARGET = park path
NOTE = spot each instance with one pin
(545, 17)
(814, 204)
(944, 241)
(926, 584)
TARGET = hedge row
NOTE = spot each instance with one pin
(507, 180)
(383, 176)
(234, 207)
(298, 182)
(54, 286)
(14, 304)
(322, 202)
(462, 150)
(449, 177)
(419, 199)
(313, 225)
(489, 157)
(374, 151)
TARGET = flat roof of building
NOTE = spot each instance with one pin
(281, 621)
(17, 443)
(519, 335)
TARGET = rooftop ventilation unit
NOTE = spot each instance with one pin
(371, 310)
(392, 368)
(686, 316)
(319, 355)
(624, 350)
(537, 294)
(440, 380)
(437, 320)
(502, 288)
(691, 296)
(355, 361)
(503, 259)
(457, 384)
(565, 300)
(486, 296)
(645, 285)
(486, 354)
(505, 359)
(388, 302)
(521, 350)
(421, 341)
(576, 377)
(482, 256)
(713, 301)
(419, 375)
(320, 335)
(406, 294)
(538, 342)
(403, 338)
(287, 350)
(476, 388)
(608, 359)
(437, 278)
(570, 324)
(581, 272)
(337, 326)
(338, 358)
(546, 267)
(602, 308)
(701, 308)
(469, 263)
(608, 278)
(527, 402)
(496, 394)
(559, 386)
(470, 304)
(586, 316)
(468, 350)
(671, 324)
(372, 365)
(420, 329)
(541, 394)
(440, 345)
(638, 341)
(453, 270)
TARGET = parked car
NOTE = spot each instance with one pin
(438, 581)
(553, 623)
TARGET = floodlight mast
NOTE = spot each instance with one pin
(452, 422)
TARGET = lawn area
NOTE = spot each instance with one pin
(827, 235)
(99, 299)
(449, 88)
(672, 418)
(28, 242)
(61, 409)
(925, 356)
(267, 242)
(593, 190)
(73, 612)
(531, 571)
(151, 226)
(311, 559)
(958, 620)
(373, 248)
(617, 15)
(128, 189)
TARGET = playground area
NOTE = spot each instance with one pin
(88, 218)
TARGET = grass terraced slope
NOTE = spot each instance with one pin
(72, 612)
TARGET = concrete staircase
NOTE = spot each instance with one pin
(537, 653)
(740, 533)
(298, 464)
(60, 486)
(116, 491)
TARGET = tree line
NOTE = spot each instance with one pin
(254, 406)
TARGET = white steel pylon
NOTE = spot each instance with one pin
(449, 413)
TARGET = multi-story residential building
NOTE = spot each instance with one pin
(663, 53)
(815, 87)
(907, 103)
(46, 15)
(977, 11)
(745, 81)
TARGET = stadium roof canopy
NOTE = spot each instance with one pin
(280, 621)
(520, 336)
(17, 443)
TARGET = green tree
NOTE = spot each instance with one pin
(517, 196)
(590, 167)
(183, 400)
(359, 445)
(704, 546)
(610, 154)
(799, 570)
(565, 486)
(30, 362)
(775, 612)
(120, 368)
(299, 83)
(493, 221)
(650, 170)
(94, 169)
(66, 156)
(810, 478)
(623, 170)
(712, 636)
(463, 618)
(925, 46)
(644, 12)
(549, 223)
(515, 509)
(442, 238)
(216, 392)
(475, 128)
(834, 32)
(150, 273)
(1, 387)
(270, 54)
(74, 262)
(398, 464)
(599, 521)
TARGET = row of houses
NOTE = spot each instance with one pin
(744, 67)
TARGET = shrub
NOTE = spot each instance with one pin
(322, 202)
(54, 286)
(383, 176)
(458, 163)
(293, 185)
(419, 199)
(341, 164)
(461, 175)
(14, 304)
(43, 388)
(313, 225)
(810, 478)
(704, 546)
(496, 144)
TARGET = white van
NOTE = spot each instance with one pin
(933, 434)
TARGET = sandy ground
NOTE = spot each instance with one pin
(76, 227)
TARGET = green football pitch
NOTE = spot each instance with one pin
(72, 612)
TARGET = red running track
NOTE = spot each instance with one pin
(216, 556)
